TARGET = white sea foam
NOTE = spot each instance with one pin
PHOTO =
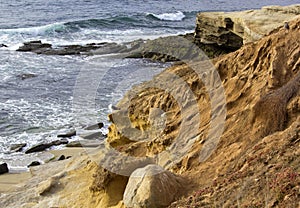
(37, 30)
(178, 16)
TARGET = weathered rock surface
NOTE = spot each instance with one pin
(152, 187)
(3, 168)
(232, 29)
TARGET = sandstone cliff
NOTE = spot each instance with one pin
(257, 159)
(255, 164)
(232, 29)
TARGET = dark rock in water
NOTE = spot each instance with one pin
(34, 46)
(92, 136)
(62, 157)
(42, 147)
(47, 49)
(68, 134)
(26, 76)
(38, 148)
(95, 126)
(34, 163)
(17, 147)
(3, 168)
(3, 45)
(59, 142)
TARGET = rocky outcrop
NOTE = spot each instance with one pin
(90, 49)
(232, 29)
(152, 187)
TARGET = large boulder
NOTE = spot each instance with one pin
(3, 168)
(152, 187)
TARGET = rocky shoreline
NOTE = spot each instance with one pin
(256, 162)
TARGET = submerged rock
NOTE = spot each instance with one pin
(26, 76)
(151, 187)
(3, 45)
(3, 168)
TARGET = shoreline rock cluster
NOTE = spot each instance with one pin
(91, 139)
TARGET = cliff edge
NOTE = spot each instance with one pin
(233, 29)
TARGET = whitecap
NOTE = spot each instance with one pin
(37, 30)
(178, 16)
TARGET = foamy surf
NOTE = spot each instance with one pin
(178, 16)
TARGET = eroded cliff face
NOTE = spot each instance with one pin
(232, 29)
(256, 162)
(258, 145)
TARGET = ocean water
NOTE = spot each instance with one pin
(36, 109)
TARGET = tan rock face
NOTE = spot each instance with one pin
(234, 28)
(151, 187)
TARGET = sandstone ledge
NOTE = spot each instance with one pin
(230, 28)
